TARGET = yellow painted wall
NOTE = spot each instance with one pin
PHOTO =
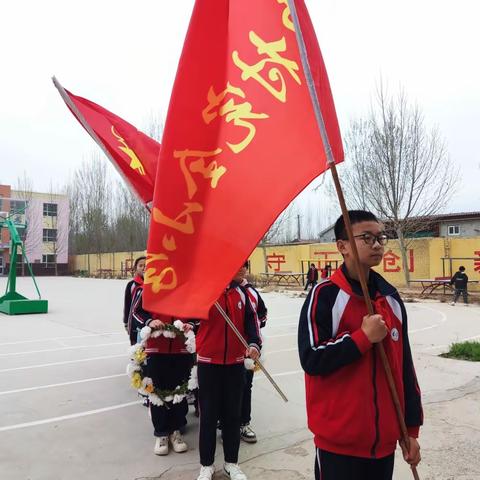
(424, 259)
(92, 263)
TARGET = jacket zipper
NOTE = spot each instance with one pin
(373, 450)
(226, 332)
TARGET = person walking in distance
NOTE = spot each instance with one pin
(460, 284)
(312, 276)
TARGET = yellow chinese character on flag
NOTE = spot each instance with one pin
(239, 113)
(272, 50)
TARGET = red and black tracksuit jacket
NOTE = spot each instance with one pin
(312, 275)
(216, 342)
(258, 305)
(349, 407)
(132, 294)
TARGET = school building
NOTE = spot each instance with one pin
(41, 220)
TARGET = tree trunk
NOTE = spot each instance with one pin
(403, 250)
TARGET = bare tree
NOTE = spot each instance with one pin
(32, 234)
(154, 127)
(131, 220)
(90, 193)
(398, 168)
(107, 217)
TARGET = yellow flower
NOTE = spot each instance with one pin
(140, 356)
(136, 380)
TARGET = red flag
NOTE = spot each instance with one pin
(240, 142)
(133, 153)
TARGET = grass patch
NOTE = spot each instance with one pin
(464, 351)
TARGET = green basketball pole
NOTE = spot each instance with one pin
(13, 303)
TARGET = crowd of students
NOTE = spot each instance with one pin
(224, 384)
(349, 406)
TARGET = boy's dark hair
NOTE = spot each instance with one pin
(246, 264)
(356, 216)
(462, 268)
(137, 260)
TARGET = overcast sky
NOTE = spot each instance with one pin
(123, 55)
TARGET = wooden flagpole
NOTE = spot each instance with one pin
(348, 227)
(245, 344)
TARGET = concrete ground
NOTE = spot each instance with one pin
(67, 411)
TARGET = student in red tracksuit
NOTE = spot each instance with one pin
(247, 434)
(221, 377)
(131, 296)
(168, 365)
(349, 407)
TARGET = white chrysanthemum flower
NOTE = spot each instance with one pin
(169, 334)
(145, 332)
(191, 345)
(177, 398)
(134, 348)
(156, 333)
(193, 380)
(249, 364)
(178, 324)
(189, 335)
(168, 398)
(155, 400)
(132, 368)
(146, 381)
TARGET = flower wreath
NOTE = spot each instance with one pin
(136, 366)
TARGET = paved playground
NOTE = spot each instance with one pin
(68, 411)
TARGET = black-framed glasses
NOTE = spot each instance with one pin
(370, 238)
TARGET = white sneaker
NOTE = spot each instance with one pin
(178, 444)
(452, 304)
(161, 446)
(206, 473)
(247, 434)
(233, 471)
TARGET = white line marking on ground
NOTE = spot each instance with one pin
(52, 385)
(28, 367)
(62, 348)
(443, 319)
(68, 417)
(62, 338)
